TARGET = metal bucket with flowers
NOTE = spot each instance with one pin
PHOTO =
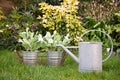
(55, 53)
(30, 42)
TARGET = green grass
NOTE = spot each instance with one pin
(11, 69)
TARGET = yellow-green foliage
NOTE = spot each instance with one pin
(118, 15)
(1, 14)
(61, 18)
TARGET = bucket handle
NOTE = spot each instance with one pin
(111, 49)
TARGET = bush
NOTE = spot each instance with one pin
(61, 18)
(16, 22)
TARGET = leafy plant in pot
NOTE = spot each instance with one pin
(55, 53)
(31, 42)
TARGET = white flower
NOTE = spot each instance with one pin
(50, 40)
(19, 40)
(7, 25)
(45, 20)
(54, 32)
(108, 49)
(1, 30)
(66, 37)
(48, 35)
(40, 38)
(23, 33)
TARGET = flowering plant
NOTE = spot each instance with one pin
(52, 40)
(30, 41)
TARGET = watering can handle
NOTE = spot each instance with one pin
(111, 50)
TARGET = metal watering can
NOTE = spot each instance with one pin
(90, 54)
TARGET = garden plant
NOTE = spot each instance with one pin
(40, 19)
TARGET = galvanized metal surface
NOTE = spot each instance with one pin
(90, 56)
(54, 58)
(30, 57)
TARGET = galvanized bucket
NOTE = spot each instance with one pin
(54, 58)
(30, 57)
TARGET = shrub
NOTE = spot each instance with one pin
(116, 30)
(16, 22)
(61, 18)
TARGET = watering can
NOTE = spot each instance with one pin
(90, 54)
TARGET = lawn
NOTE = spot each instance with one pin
(11, 69)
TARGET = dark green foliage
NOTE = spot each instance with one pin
(54, 2)
(16, 22)
(111, 27)
(95, 14)
(115, 23)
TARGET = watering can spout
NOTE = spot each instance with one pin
(69, 52)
